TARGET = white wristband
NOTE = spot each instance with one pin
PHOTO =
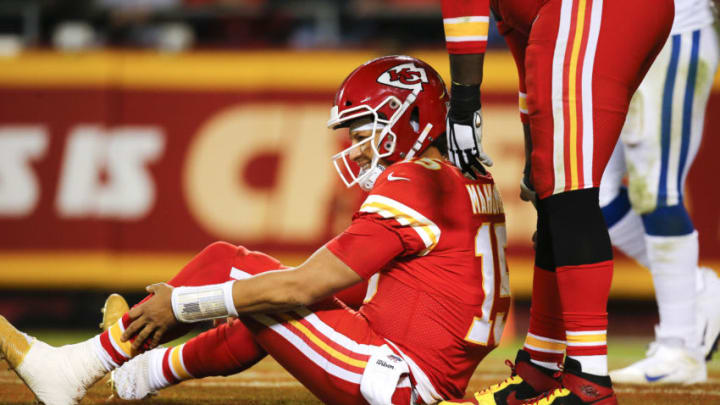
(194, 304)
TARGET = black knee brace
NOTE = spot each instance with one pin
(577, 228)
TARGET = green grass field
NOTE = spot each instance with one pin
(267, 383)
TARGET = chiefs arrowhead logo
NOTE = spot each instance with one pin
(405, 76)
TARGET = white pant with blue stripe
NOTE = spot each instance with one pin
(662, 134)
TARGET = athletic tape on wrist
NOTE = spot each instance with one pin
(194, 304)
(464, 100)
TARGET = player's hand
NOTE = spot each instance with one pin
(464, 139)
(151, 319)
(527, 193)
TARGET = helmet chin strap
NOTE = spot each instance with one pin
(368, 177)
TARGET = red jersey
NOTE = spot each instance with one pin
(466, 25)
(431, 242)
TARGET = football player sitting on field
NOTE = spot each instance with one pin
(428, 240)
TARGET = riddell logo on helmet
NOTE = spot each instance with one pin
(405, 76)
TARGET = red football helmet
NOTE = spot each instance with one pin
(408, 101)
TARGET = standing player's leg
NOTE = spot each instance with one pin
(584, 58)
(664, 144)
(61, 375)
(624, 224)
(545, 341)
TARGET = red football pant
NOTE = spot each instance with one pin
(583, 61)
(325, 346)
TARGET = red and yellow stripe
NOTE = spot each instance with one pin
(323, 344)
(586, 338)
(544, 344)
(575, 50)
(115, 333)
(177, 365)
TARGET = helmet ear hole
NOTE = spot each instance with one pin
(415, 119)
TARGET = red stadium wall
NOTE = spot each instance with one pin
(116, 167)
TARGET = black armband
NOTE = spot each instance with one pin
(464, 101)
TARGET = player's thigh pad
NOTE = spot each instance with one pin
(583, 62)
(329, 349)
(665, 123)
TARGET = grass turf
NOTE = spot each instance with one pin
(268, 384)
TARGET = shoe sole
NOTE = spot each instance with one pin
(13, 344)
(115, 307)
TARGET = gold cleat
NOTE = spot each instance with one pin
(115, 307)
(14, 345)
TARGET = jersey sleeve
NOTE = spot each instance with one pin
(405, 200)
(366, 247)
(394, 220)
(466, 25)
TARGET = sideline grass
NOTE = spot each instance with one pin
(268, 384)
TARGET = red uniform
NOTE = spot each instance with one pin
(429, 241)
(431, 244)
(438, 284)
(580, 61)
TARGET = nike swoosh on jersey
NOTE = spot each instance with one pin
(390, 177)
(655, 377)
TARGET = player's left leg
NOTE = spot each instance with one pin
(224, 350)
(335, 354)
(624, 224)
(62, 375)
(585, 58)
(673, 96)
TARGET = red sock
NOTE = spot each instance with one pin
(584, 291)
(545, 341)
(112, 347)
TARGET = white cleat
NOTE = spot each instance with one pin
(56, 375)
(132, 379)
(663, 365)
(708, 309)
